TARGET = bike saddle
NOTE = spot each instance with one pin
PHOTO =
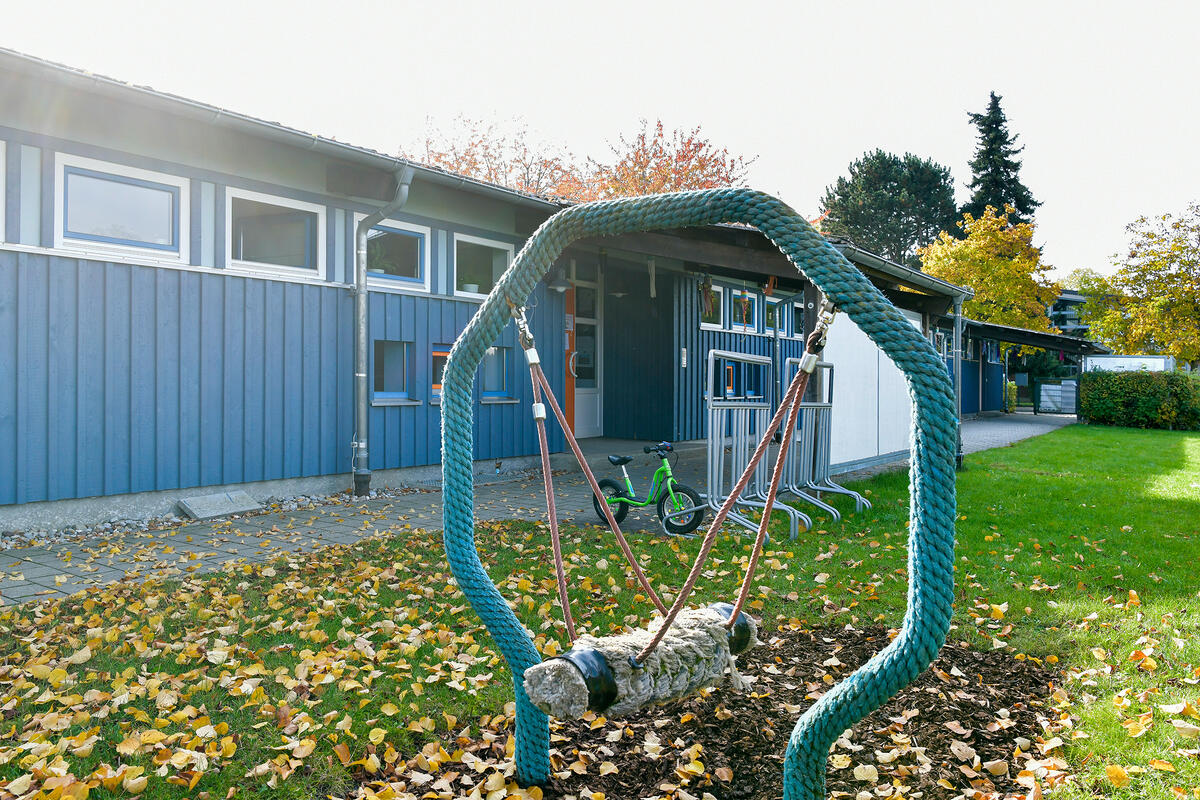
(617, 461)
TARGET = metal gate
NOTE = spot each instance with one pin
(739, 395)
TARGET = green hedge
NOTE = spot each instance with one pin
(1140, 399)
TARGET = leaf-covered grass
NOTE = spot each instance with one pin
(307, 677)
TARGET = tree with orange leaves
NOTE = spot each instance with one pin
(651, 161)
(654, 161)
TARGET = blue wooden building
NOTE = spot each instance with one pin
(177, 305)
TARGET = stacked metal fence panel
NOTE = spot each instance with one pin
(737, 417)
(808, 469)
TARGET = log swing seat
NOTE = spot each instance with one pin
(686, 648)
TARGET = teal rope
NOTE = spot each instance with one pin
(934, 437)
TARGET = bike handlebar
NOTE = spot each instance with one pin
(661, 448)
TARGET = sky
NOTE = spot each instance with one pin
(1103, 95)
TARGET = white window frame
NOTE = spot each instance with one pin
(389, 398)
(402, 285)
(506, 392)
(734, 325)
(62, 242)
(796, 334)
(232, 193)
(779, 305)
(463, 237)
(719, 304)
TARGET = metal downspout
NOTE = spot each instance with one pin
(362, 469)
(958, 333)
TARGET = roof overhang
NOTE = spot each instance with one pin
(224, 119)
(742, 252)
(1042, 339)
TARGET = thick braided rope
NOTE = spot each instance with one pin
(931, 506)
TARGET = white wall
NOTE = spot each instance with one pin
(871, 409)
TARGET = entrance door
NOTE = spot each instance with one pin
(585, 366)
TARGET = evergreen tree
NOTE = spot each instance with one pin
(891, 205)
(995, 181)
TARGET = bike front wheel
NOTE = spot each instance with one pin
(678, 497)
(611, 490)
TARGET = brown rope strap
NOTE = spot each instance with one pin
(540, 377)
(795, 389)
(773, 489)
(551, 511)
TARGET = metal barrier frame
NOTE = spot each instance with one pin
(746, 419)
(811, 467)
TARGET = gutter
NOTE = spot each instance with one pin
(362, 468)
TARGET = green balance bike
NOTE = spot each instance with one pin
(680, 508)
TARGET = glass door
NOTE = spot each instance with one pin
(585, 367)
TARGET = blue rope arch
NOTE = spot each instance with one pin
(931, 488)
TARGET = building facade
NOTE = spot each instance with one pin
(177, 308)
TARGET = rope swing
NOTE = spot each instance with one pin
(686, 648)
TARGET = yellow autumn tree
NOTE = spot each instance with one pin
(999, 261)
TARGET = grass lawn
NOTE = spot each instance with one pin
(307, 677)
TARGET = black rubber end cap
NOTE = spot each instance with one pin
(601, 685)
(740, 634)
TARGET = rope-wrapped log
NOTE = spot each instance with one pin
(933, 446)
(600, 673)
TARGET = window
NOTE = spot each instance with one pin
(585, 302)
(969, 347)
(753, 380)
(738, 380)
(114, 207)
(397, 255)
(393, 370)
(275, 233)
(493, 381)
(438, 366)
(478, 264)
(773, 317)
(798, 320)
(3, 161)
(587, 355)
(713, 317)
(745, 311)
(586, 270)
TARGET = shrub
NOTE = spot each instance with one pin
(1010, 397)
(1168, 400)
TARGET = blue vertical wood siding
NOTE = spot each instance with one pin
(691, 420)
(638, 359)
(993, 387)
(991, 374)
(117, 378)
(410, 435)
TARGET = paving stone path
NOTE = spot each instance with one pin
(29, 573)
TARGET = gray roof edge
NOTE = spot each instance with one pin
(221, 117)
(902, 272)
(975, 323)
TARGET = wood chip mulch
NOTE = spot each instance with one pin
(955, 731)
